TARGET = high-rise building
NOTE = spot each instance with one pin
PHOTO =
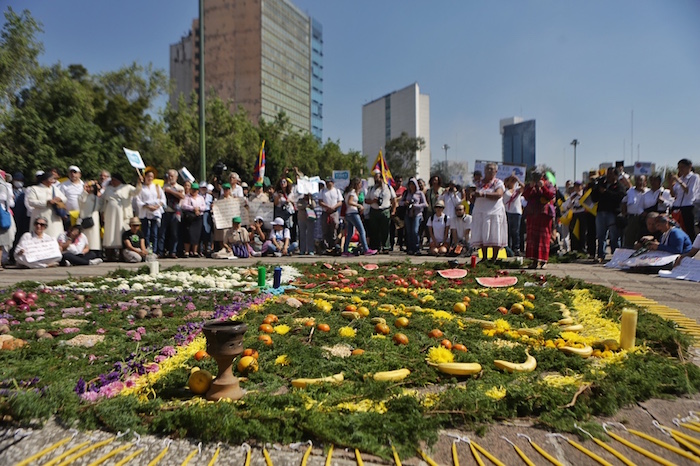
(518, 141)
(384, 119)
(263, 55)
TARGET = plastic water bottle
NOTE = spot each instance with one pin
(277, 279)
(261, 276)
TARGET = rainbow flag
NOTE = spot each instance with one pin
(380, 164)
(259, 174)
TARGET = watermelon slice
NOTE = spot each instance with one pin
(370, 266)
(497, 282)
(452, 274)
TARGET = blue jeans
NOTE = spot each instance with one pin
(169, 234)
(412, 238)
(272, 248)
(514, 231)
(150, 227)
(605, 224)
(353, 220)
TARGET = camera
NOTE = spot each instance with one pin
(219, 168)
(380, 200)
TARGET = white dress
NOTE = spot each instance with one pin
(37, 198)
(116, 205)
(90, 207)
(489, 221)
(7, 202)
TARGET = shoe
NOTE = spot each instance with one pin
(370, 252)
(311, 253)
(385, 251)
(278, 254)
(347, 254)
(543, 265)
(67, 264)
(95, 261)
(417, 253)
(256, 254)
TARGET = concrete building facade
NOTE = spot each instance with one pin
(383, 119)
(518, 141)
(259, 54)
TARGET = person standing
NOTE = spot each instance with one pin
(169, 233)
(331, 200)
(685, 186)
(7, 202)
(540, 194)
(192, 210)
(353, 220)
(41, 199)
(514, 212)
(608, 193)
(413, 200)
(116, 207)
(451, 197)
(633, 211)
(89, 204)
(150, 202)
(397, 231)
(382, 202)
(73, 188)
(306, 217)
(657, 198)
(432, 195)
(489, 221)
(578, 222)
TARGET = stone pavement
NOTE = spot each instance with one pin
(681, 295)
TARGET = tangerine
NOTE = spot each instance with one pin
(324, 327)
(266, 339)
(446, 343)
(435, 333)
(266, 328)
(351, 308)
(201, 354)
(400, 339)
(459, 347)
(382, 329)
(251, 352)
(358, 352)
(401, 322)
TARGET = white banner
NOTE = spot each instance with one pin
(341, 179)
(134, 158)
(223, 211)
(37, 251)
(643, 168)
(504, 170)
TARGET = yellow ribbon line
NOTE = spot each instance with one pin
(358, 458)
(520, 453)
(112, 453)
(667, 446)
(588, 453)
(426, 458)
(546, 455)
(87, 450)
(641, 450)
(684, 436)
(305, 458)
(216, 455)
(189, 457)
(455, 458)
(160, 456)
(397, 460)
(690, 426)
(614, 452)
(66, 453)
(266, 454)
(46, 450)
(478, 459)
(685, 443)
(130, 457)
(491, 458)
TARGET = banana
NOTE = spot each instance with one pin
(303, 383)
(584, 352)
(566, 321)
(391, 376)
(572, 328)
(612, 345)
(531, 332)
(559, 305)
(378, 320)
(565, 313)
(483, 323)
(459, 368)
(350, 315)
(528, 366)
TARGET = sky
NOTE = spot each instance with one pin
(620, 76)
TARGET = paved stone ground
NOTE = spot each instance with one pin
(16, 445)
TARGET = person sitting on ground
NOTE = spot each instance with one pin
(439, 229)
(235, 243)
(37, 250)
(279, 242)
(673, 239)
(257, 235)
(460, 231)
(76, 248)
(693, 251)
(654, 235)
(134, 249)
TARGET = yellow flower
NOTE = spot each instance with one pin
(282, 329)
(497, 393)
(347, 332)
(559, 381)
(282, 360)
(439, 354)
(502, 325)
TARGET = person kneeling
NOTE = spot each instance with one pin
(235, 243)
(134, 242)
(75, 248)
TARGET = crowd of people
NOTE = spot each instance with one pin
(74, 222)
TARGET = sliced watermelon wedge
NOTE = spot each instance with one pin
(370, 266)
(497, 282)
(452, 274)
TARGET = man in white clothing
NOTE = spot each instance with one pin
(460, 231)
(451, 197)
(73, 188)
(633, 208)
(330, 199)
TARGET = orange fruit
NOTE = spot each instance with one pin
(459, 347)
(324, 327)
(401, 322)
(484, 294)
(530, 296)
(247, 364)
(351, 308)
(201, 354)
(363, 311)
(266, 328)
(517, 308)
(273, 318)
(400, 339)
(266, 339)
(435, 333)
(459, 308)
(310, 323)
(502, 310)
(529, 315)
(467, 299)
(446, 343)
(358, 352)
(382, 329)
(268, 320)
(200, 381)
(251, 352)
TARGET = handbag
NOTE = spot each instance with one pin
(60, 208)
(5, 219)
(88, 222)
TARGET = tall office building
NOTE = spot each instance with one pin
(383, 119)
(518, 141)
(263, 55)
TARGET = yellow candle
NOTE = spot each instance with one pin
(628, 328)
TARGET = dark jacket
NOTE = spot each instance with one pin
(608, 196)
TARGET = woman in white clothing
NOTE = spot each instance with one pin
(150, 202)
(489, 221)
(36, 249)
(7, 202)
(42, 198)
(89, 204)
(115, 202)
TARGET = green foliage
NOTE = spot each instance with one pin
(19, 50)
(400, 154)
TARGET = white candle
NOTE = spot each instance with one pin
(628, 328)
(155, 267)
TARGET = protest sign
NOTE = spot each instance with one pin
(341, 179)
(504, 170)
(223, 211)
(134, 158)
(41, 251)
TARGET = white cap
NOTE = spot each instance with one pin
(278, 221)
(73, 168)
(259, 218)
(38, 173)
(210, 187)
(377, 171)
(244, 185)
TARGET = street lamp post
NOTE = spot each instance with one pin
(445, 147)
(575, 143)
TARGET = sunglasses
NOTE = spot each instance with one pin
(41, 224)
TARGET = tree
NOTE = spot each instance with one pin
(19, 50)
(400, 154)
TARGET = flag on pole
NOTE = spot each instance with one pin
(577, 229)
(380, 164)
(259, 174)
